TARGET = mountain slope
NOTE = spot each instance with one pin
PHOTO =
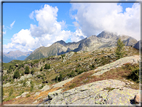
(104, 39)
(15, 55)
(71, 72)
(138, 45)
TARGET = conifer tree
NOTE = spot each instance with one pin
(119, 50)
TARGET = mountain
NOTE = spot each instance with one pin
(104, 39)
(15, 55)
(138, 44)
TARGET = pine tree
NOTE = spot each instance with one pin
(119, 50)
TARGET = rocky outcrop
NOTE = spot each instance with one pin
(102, 69)
(100, 92)
(138, 45)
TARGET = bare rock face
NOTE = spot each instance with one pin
(138, 45)
(107, 92)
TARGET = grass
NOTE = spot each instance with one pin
(109, 89)
(120, 73)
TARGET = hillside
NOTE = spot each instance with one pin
(104, 39)
(65, 72)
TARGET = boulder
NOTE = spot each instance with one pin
(16, 65)
(137, 99)
(24, 94)
(46, 87)
(51, 95)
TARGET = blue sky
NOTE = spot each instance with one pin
(27, 26)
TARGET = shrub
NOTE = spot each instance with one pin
(27, 70)
(16, 74)
(63, 55)
(10, 67)
(32, 86)
(92, 66)
(41, 69)
(22, 73)
(28, 95)
(72, 74)
(11, 91)
(22, 65)
(60, 78)
(39, 76)
(32, 72)
(32, 64)
(24, 83)
(47, 66)
(56, 79)
(134, 75)
(9, 71)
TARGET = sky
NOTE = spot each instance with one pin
(27, 26)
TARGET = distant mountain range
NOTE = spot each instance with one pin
(104, 39)
(15, 55)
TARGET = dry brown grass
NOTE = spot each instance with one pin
(117, 73)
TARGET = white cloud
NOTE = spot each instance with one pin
(93, 18)
(11, 25)
(48, 31)
(32, 15)
(77, 35)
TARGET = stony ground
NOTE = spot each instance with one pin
(118, 63)
(100, 92)
(113, 92)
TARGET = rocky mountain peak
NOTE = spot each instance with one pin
(61, 42)
(106, 35)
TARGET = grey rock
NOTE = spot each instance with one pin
(118, 63)
(100, 92)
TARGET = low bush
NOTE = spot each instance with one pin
(16, 74)
(27, 70)
(47, 66)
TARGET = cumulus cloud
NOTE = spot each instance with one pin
(93, 18)
(77, 35)
(11, 25)
(48, 31)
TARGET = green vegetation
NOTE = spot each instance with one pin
(60, 78)
(92, 66)
(134, 75)
(41, 69)
(119, 50)
(47, 66)
(63, 55)
(27, 70)
(32, 72)
(109, 89)
(32, 86)
(11, 92)
(24, 83)
(16, 74)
